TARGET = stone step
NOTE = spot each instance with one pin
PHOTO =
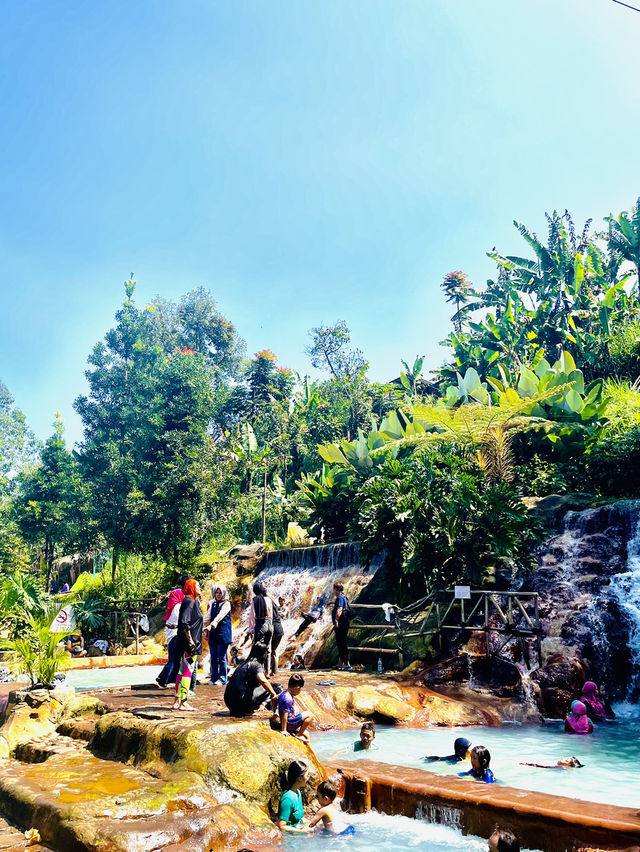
(81, 803)
(13, 840)
(77, 729)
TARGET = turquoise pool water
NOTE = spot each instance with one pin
(611, 755)
(112, 677)
(387, 834)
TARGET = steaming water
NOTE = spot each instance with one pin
(387, 834)
(610, 755)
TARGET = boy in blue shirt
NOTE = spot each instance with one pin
(291, 720)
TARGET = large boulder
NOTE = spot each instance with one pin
(247, 558)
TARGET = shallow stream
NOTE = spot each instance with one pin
(387, 834)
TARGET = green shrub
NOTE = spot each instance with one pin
(624, 351)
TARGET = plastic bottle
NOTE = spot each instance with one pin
(379, 665)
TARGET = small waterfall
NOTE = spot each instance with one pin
(301, 576)
(626, 588)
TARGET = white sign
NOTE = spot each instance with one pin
(463, 592)
(65, 621)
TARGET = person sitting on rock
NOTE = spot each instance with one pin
(480, 760)
(461, 747)
(248, 686)
(367, 736)
(595, 708)
(75, 645)
(503, 840)
(297, 664)
(292, 721)
(291, 809)
(577, 722)
(311, 617)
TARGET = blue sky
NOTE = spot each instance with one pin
(304, 161)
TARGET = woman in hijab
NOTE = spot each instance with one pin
(577, 722)
(218, 619)
(261, 616)
(190, 623)
(595, 709)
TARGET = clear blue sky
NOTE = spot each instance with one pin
(305, 161)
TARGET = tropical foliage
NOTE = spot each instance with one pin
(190, 446)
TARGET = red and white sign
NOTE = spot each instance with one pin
(65, 621)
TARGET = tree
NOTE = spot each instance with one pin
(624, 237)
(17, 443)
(146, 442)
(457, 288)
(52, 504)
(330, 351)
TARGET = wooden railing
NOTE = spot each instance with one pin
(508, 615)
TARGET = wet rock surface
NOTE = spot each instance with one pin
(586, 631)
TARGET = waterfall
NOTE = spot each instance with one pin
(301, 576)
(626, 589)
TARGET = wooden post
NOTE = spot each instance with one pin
(487, 650)
(264, 507)
(360, 794)
(137, 631)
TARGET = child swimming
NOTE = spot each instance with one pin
(460, 748)
(563, 763)
(480, 760)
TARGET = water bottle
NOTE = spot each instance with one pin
(379, 665)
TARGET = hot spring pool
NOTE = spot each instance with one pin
(387, 834)
(610, 755)
(111, 677)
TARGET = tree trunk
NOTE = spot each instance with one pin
(114, 562)
(264, 507)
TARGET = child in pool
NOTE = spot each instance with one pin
(291, 809)
(331, 819)
(367, 736)
(563, 763)
(480, 760)
(460, 748)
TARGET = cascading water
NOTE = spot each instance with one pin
(303, 575)
(589, 585)
(626, 588)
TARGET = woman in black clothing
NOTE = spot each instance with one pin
(190, 623)
(261, 618)
(276, 638)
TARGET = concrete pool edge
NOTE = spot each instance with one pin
(542, 821)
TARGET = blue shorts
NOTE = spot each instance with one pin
(294, 722)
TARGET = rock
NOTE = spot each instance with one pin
(6, 675)
(552, 508)
(247, 557)
(367, 702)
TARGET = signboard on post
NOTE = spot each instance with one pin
(463, 593)
(65, 621)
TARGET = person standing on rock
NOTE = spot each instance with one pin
(341, 617)
(261, 616)
(170, 618)
(276, 639)
(190, 624)
(218, 621)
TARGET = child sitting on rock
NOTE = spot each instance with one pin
(503, 840)
(480, 760)
(291, 720)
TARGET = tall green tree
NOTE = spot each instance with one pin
(146, 441)
(624, 237)
(52, 503)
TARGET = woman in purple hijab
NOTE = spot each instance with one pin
(595, 709)
(577, 722)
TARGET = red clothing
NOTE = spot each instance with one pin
(175, 597)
